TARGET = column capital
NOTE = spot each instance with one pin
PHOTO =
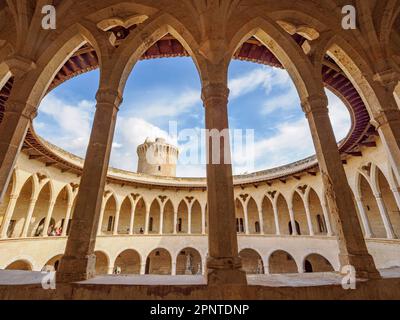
(315, 104)
(387, 78)
(19, 65)
(109, 96)
(384, 117)
(214, 91)
(14, 196)
(24, 109)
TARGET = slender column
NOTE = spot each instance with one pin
(203, 220)
(173, 268)
(162, 218)
(147, 221)
(387, 119)
(276, 219)
(352, 247)
(132, 220)
(224, 264)
(110, 270)
(116, 221)
(66, 221)
(100, 223)
(175, 221)
(143, 268)
(246, 219)
(28, 219)
(261, 219)
(292, 221)
(385, 217)
(396, 195)
(48, 219)
(78, 262)
(364, 218)
(17, 116)
(8, 215)
(190, 218)
(309, 221)
(327, 219)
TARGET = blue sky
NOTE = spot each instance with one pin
(163, 92)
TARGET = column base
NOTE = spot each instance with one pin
(73, 269)
(225, 271)
(363, 264)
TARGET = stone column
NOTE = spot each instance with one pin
(110, 270)
(364, 218)
(175, 221)
(276, 219)
(396, 195)
(143, 268)
(66, 221)
(309, 221)
(190, 218)
(116, 221)
(261, 219)
(173, 268)
(48, 218)
(100, 223)
(132, 219)
(387, 119)
(8, 215)
(28, 219)
(385, 217)
(203, 220)
(78, 262)
(352, 247)
(17, 117)
(147, 221)
(162, 218)
(327, 219)
(223, 264)
(292, 221)
(246, 219)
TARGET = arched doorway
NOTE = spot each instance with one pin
(159, 262)
(19, 265)
(251, 262)
(282, 262)
(188, 262)
(102, 263)
(317, 263)
(128, 262)
(53, 263)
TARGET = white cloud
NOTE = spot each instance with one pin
(266, 78)
(70, 125)
(165, 104)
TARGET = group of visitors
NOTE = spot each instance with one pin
(54, 232)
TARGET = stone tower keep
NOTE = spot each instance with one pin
(157, 158)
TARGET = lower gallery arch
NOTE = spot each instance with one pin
(371, 209)
(188, 262)
(20, 265)
(52, 264)
(159, 262)
(127, 262)
(282, 262)
(251, 261)
(316, 263)
(101, 262)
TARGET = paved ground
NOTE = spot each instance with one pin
(11, 277)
